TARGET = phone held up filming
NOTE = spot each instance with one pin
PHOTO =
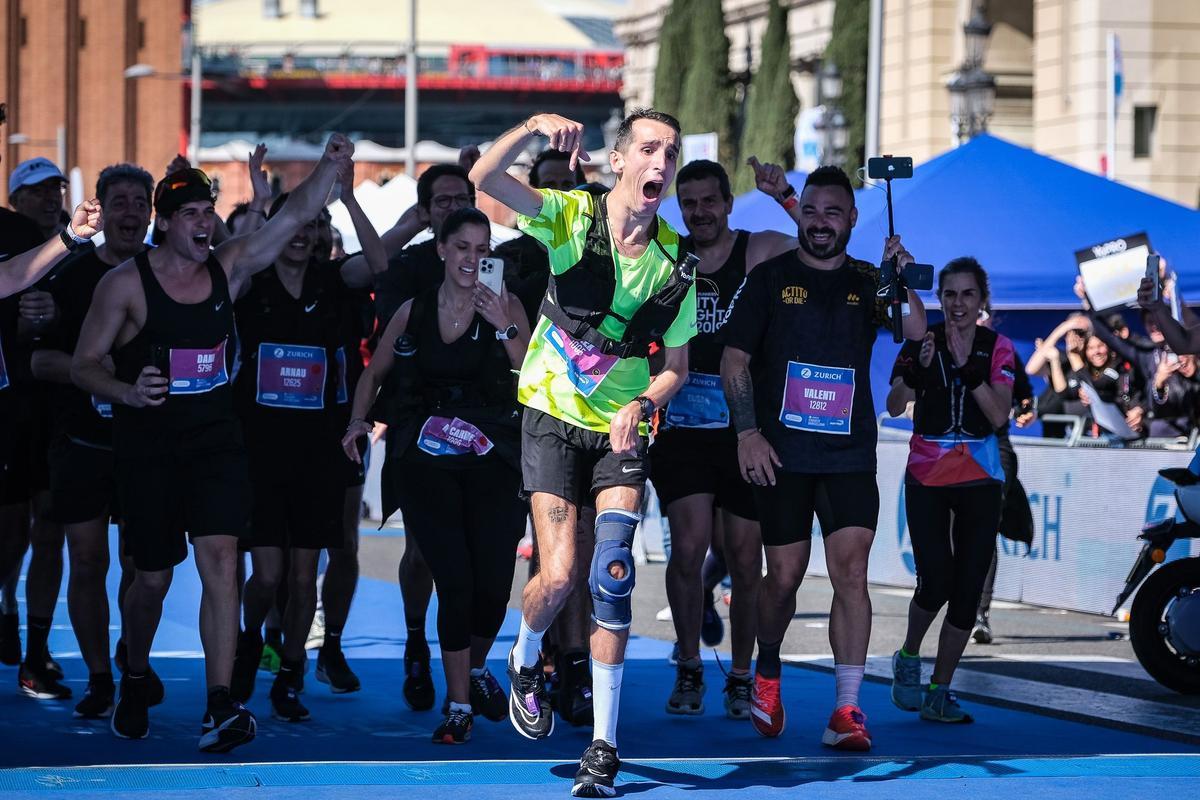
(918, 277)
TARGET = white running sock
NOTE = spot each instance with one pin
(606, 700)
(466, 707)
(848, 679)
(528, 647)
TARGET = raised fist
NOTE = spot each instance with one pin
(87, 219)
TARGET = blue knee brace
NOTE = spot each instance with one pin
(611, 602)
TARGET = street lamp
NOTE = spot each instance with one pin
(137, 71)
(59, 143)
(972, 89)
(831, 127)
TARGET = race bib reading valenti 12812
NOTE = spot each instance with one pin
(818, 399)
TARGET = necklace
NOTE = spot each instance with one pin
(455, 313)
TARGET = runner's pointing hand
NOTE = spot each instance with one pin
(565, 135)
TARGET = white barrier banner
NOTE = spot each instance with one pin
(1088, 505)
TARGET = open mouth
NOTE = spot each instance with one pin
(200, 239)
(821, 238)
(467, 269)
(651, 190)
(128, 231)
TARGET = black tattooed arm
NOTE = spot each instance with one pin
(739, 389)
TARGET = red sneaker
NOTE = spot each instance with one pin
(847, 730)
(766, 709)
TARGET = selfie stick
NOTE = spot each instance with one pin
(897, 288)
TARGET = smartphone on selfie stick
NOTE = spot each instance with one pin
(914, 276)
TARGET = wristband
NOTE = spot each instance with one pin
(67, 240)
(75, 237)
(787, 194)
(791, 202)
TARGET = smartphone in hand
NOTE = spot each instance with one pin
(1153, 274)
(491, 273)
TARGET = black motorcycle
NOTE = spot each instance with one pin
(1164, 623)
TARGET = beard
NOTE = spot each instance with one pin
(835, 247)
(704, 236)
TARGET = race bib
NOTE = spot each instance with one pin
(818, 399)
(196, 371)
(343, 387)
(586, 365)
(103, 407)
(452, 437)
(700, 403)
(291, 376)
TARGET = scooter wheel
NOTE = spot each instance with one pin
(1148, 613)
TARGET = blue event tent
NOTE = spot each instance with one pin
(1023, 215)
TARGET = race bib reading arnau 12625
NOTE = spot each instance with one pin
(198, 370)
(291, 376)
(818, 399)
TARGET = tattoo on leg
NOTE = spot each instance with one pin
(557, 514)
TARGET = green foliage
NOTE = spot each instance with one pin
(673, 40)
(847, 49)
(707, 103)
(771, 107)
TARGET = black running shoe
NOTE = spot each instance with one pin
(333, 670)
(419, 694)
(97, 702)
(687, 697)
(455, 728)
(487, 697)
(597, 771)
(154, 688)
(574, 701)
(712, 627)
(982, 634)
(226, 727)
(53, 667)
(528, 706)
(10, 639)
(285, 699)
(36, 681)
(245, 666)
(131, 717)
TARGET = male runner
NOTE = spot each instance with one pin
(167, 319)
(693, 462)
(616, 286)
(796, 371)
(82, 479)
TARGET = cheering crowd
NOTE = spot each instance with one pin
(212, 387)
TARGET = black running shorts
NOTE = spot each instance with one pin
(685, 461)
(83, 482)
(839, 500)
(298, 498)
(572, 462)
(167, 497)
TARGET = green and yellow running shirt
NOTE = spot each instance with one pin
(587, 389)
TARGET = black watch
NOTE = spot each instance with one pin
(647, 405)
(67, 240)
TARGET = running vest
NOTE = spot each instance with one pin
(294, 349)
(579, 300)
(193, 344)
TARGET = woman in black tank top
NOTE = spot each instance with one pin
(453, 455)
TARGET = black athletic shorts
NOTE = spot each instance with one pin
(687, 461)
(167, 497)
(18, 442)
(840, 500)
(83, 482)
(298, 497)
(572, 462)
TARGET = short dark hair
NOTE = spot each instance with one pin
(625, 131)
(123, 173)
(967, 265)
(1115, 322)
(551, 154)
(460, 217)
(830, 175)
(425, 182)
(699, 170)
(239, 211)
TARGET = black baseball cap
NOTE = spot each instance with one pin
(180, 188)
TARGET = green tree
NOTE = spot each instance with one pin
(707, 104)
(674, 38)
(769, 129)
(847, 49)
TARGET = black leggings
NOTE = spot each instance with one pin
(952, 557)
(467, 523)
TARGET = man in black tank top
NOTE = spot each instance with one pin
(693, 461)
(167, 319)
(292, 396)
